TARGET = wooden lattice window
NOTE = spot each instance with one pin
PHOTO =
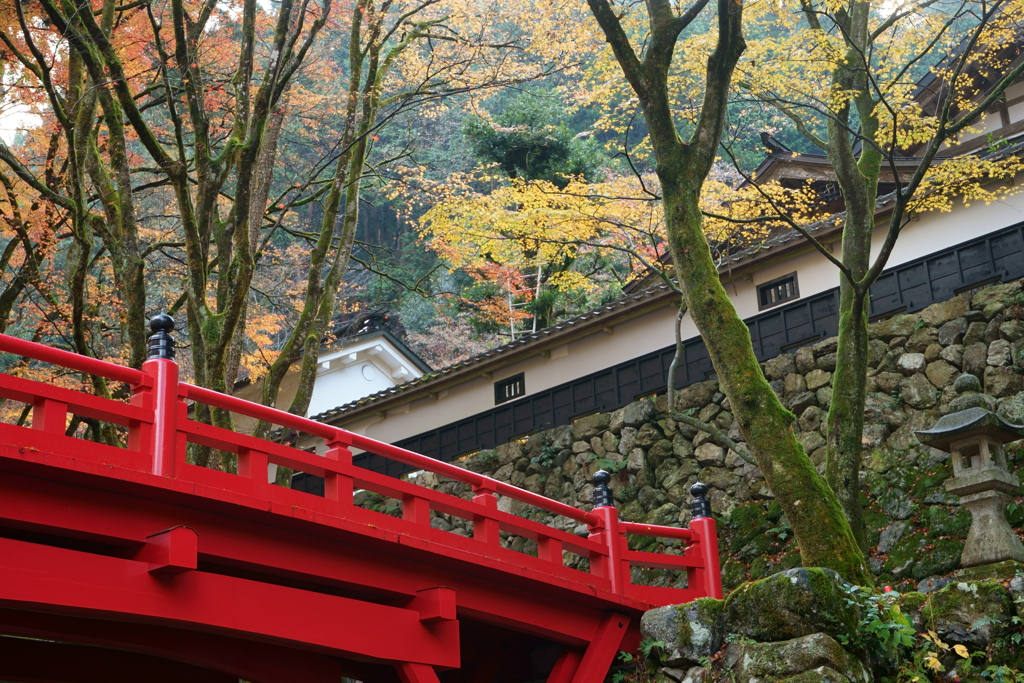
(777, 291)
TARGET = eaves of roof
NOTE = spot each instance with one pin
(409, 354)
(775, 164)
(787, 243)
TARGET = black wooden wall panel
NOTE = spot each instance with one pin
(905, 288)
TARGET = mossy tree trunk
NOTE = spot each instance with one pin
(814, 512)
(858, 180)
(858, 154)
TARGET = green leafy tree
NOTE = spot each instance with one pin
(529, 139)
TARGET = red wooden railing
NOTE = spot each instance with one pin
(159, 429)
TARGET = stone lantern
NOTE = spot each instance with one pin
(974, 437)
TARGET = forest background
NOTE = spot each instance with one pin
(469, 149)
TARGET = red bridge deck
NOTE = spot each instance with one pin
(131, 564)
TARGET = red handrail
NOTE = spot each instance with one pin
(74, 361)
(335, 434)
(657, 531)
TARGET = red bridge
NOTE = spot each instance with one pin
(129, 564)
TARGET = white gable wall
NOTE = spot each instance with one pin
(356, 369)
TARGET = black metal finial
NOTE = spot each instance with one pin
(700, 506)
(161, 344)
(602, 494)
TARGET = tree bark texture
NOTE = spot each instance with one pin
(814, 512)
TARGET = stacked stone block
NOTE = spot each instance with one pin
(916, 529)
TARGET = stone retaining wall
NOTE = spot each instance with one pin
(915, 528)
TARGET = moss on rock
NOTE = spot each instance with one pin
(939, 560)
(733, 574)
(944, 521)
(901, 560)
(790, 604)
(806, 658)
(690, 631)
(972, 613)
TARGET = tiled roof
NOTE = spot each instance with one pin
(1012, 146)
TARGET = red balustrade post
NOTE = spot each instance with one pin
(338, 487)
(550, 550)
(709, 575)
(49, 416)
(485, 528)
(612, 567)
(164, 371)
(253, 465)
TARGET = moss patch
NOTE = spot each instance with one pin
(930, 482)
(944, 521)
(973, 613)
(733, 574)
(942, 559)
(791, 604)
(901, 560)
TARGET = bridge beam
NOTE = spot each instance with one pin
(67, 509)
(34, 576)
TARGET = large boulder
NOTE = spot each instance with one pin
(975, 358)
(590, 426)
(690, 632)
(804, 360)
(719, 478)
(794, 384)
(632, 415)
(826, 346)
(922, 338)
(975, 333)
(896, 326)
(918, 392)
(811, 418)
(814, 657)
(940, 373)
(791, 604)
(910, 363)
(710, 454)
(953, 332)
(780, 366)
(1000, 382)
(888, 382)
(999, 353)
(801, 402)
(696, 395)
(953, 354)
(1012, 330)
(818, 378)
(1003, 294)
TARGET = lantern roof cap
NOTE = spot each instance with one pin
(966, 423)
